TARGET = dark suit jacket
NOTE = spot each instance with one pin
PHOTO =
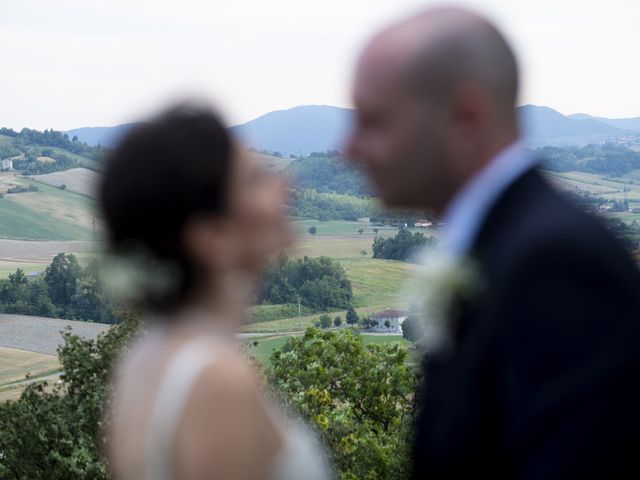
(544, 380)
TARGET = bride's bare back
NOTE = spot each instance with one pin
(224, 430)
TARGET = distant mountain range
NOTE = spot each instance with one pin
(305, 129)
(105, 136)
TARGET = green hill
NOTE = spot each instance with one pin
(28, 147)
(46, 214)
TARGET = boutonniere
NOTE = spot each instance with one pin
(443, 284)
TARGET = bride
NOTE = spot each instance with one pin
(196, 220)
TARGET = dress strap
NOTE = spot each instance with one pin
(177, 383)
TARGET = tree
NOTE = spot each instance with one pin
(376, 230)
(352, 315)
(363, 253)
(361, 231)
(313, 230)
(325, 321)
(61, 277)
(337, 321)
(58, 433)
(321, 283)
(364, 412)
(400, 247)
(387, 323)
(412, 329)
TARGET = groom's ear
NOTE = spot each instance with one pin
(471, 107)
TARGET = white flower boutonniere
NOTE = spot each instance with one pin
(442, 284)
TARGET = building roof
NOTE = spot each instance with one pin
(391, 314)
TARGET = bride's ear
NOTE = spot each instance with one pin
(207, 241)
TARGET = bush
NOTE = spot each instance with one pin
(58, 435)
(325, 321)
(320, 283)
(400, 247)
(360, 398)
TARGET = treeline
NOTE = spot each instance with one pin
(30, 165)
(327, 173)
(607, 159)
(627, 233)
(400, 217)
(66, 290)
(51, 138)
(402, 246)
(320, 283)
(328, 206)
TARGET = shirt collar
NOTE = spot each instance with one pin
(468, 209)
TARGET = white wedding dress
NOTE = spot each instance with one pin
(301, 457)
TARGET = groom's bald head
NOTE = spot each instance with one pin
(453, 66)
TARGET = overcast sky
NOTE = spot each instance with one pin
(73, 63)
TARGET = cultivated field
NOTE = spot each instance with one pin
(78, 180)
(28, 345)
(39, 334)
(610, 188)
(35, 256)
(48, 214)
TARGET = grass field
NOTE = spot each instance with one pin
(342, 227)
(16, 364)
(620, 188)
(35, 256)
(377, 284)
(48, 214)
(78, 180)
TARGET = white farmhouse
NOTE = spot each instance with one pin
(7, 164)
(389, 321)
(423, 223)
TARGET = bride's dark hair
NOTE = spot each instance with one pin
(164, 171)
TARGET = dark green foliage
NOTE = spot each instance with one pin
(337, 321)
(52, 138)
(65, 290)
(33, 144)
(325, 321)
(399, 217)
(8, 151)
(61, 277)
(584, 200)
(313, 230)
(400, 247)
(352, 316)
(324, 207)
(620, 206)
(608, 159)
(31, 166)
(23, 189)
(320, 283)
(628, 234)
(58, 435)
(412, 330)
(360, 398)
(327, 172)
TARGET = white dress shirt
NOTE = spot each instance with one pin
(467, 211)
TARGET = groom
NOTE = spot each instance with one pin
(543, 380)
